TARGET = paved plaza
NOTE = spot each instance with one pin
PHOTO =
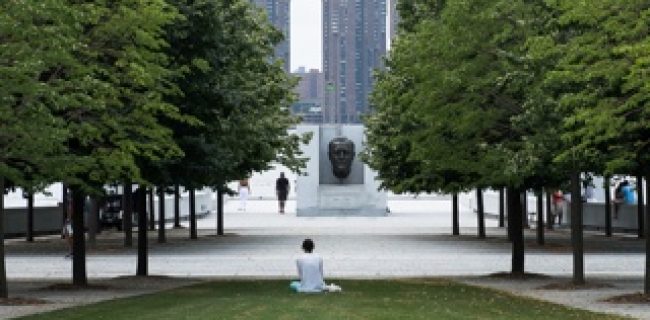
(413, 240)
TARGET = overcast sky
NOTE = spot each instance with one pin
(306, 34)
(306, 26)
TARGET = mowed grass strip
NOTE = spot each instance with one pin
(361, 299)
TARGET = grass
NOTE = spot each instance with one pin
(362, 299)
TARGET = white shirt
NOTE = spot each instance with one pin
(310, 271)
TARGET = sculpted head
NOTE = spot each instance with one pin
(341, 153)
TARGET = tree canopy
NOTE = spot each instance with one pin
(234, 89)
(153, 92)
(454, 92)
(514, 94)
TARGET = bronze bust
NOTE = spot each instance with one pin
(341, 153)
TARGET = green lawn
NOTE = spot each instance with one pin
(371, 299)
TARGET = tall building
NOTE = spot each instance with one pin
(310, 95)
(354, 42)
(394, 19)
(279, 15)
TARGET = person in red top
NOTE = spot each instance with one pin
(558, 207)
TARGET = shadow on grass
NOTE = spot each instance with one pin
(517, 276)
(18, 301)
(569, 286)
(632, 298)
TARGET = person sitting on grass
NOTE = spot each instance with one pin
(310, 272)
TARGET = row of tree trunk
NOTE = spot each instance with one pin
(516, 211)
(137, 201)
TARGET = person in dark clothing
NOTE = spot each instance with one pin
(282, 191)
(619, 196)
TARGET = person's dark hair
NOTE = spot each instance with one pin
(618, 191)
(281, 174)
(308, 245)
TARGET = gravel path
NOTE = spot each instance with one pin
(588, 299)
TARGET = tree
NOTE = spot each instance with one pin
(31, 70)
(119, 78)
(239, 94)
(458, 81)
(600, 83)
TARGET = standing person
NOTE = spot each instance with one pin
(558, 206)
(629, 193)
(588, 189)
(244, 191)
(67, 234)
(282, 191)
(619, 197)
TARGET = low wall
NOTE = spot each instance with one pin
(593, 212)
(46, 220)
(205, 203)
(593, 217)
(49, 219)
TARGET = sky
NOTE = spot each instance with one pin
(306, 34)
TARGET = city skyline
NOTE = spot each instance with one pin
(306, 33)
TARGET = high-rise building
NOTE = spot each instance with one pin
(354, 42)
(279, 15)
(394, 19)
(310, 95)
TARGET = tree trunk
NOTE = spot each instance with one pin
(161, 214)
(92, 222)
(127, 214)
(508, 195)
(152, 217)
(576, 230)
(219, 212)
(29, 235)
(177, 206)
(516, 230)
(79, 277)
(480, 213)
(141, 208)
(523, 197)
(66, 207)
(608, 208)
(501, 208)
(646, 285)
(540, 217)
(454, 215)
(192, 214)
(549, 214)
(4, 293)
(639, 202)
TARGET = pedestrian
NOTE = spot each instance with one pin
(629, 193)
(558, 207)
(282, 190)
(244, 191)
(619, 197)
(67, 234)
(588, 188)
